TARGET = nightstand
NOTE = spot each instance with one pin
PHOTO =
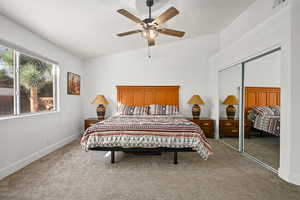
(90, 121)
(230, 128)
(207, 125)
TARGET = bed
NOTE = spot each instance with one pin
(144, 133)
(262, 106)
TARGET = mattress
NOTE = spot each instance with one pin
(147, 132)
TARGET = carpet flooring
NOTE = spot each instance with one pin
(70, 173)
(263, 147)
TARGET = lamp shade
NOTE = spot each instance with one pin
(196, 100)
(231, 100)
(100, 99)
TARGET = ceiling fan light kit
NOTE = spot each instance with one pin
(149, 33)
(152, 27)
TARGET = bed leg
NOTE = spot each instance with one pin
(112, 157)
(261, 134)
(175, 158)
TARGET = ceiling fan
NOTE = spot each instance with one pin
(151, 27)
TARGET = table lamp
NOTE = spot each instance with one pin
(196, 110)
(101, 101)
(231, 100)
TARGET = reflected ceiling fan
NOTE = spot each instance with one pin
(151, 27)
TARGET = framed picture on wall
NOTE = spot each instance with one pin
(73, 84)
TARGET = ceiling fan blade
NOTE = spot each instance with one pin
(168, 14)
(129, 33)
(151, 42)
(171, 32)
(130, 16)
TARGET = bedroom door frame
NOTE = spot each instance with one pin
(241, 148)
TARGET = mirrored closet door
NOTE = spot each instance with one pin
(249, 107)
(230, 84)
(262, 107)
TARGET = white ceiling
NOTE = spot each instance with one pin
(87, 28)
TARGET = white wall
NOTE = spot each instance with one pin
(182, 63)
(259, 11)
(293, 173)
(23, 140)
(273, 32)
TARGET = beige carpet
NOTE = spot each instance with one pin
(70, 173)
(265, 148)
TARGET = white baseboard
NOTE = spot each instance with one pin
(295, 178)
(291, 177)
(6, 171)
(283, 173)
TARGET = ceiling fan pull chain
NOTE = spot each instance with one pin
(149, 52)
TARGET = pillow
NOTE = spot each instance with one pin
(141, 110)
(276, 110)
(164, 110)
(133, 110)
(126, 110)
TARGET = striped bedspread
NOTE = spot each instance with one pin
(266, 118)
(268, 124)
(147, 132)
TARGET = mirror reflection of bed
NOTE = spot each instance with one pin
(262, 107)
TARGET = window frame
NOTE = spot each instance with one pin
(17, 52)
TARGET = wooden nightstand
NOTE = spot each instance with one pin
(230, 128)
(207, 125)
(90, 121)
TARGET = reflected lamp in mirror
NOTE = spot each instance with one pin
(196, 110)
(101, 101)
(231, 101)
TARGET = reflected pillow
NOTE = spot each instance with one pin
(266, 110)
(276, 110)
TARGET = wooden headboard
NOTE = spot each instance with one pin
(261, 96)
(147, 95)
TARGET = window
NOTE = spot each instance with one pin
(6, 81)
(27, 84)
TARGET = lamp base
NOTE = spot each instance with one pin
(100, 111)
(196, 111)
(230, 111)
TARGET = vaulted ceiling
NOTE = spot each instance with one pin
(87, 28)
